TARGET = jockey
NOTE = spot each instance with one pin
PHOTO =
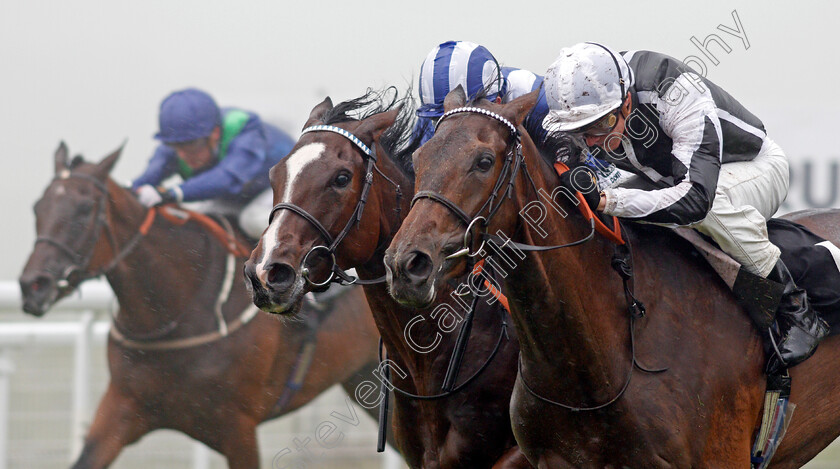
(472, 66)
(701, 160)
(222, 155)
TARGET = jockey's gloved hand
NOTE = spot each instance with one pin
(582, 179)
(151, 196)
(566, 151)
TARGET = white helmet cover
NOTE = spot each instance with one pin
(585, 82)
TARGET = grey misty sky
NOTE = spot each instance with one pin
(94, 72)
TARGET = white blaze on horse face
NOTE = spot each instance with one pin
(295, 164)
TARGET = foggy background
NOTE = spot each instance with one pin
(93, 73)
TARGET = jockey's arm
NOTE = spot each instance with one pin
(693, 125)
(163, 164)
(243, 163)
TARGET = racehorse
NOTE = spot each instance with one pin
(342, 169)
(678, 386)
(185, 352)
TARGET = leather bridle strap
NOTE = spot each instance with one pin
(80, 261)
(512, 160)
(356, 217)
(462, 215)
(305, 215)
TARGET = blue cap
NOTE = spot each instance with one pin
(456, 63)
(187, 115)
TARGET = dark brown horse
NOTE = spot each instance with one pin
(318, 188)
(186, 351)
(571, 314)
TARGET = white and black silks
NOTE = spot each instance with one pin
(682, 127)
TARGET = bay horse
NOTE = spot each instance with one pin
(185, 352)
(317, 189)
(586, 395)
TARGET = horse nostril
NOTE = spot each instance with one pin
(281, 276)
(418, 266)
(35, 285)
(250, 274)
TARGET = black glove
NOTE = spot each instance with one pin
(167, 196)
(566, 151)
(582, 179)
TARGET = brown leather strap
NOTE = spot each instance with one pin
(228, 240)
(186, 342)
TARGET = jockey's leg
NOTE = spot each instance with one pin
(747, 194)
(253, 219)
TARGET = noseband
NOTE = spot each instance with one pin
(336, 274)
(514, 160)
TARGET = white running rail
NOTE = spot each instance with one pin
(85, 330)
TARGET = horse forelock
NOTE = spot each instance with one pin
(400, 140)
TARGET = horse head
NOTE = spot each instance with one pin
(331, 196)
(465, 174)
(70, 218)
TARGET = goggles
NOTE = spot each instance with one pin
(601, 127)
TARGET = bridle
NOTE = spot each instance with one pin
(514, 161)
(337, 275)
(76, 272)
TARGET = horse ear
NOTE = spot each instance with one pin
(371, 128)
(454, 99)
(104, 167)
(318, 112)
(61, 157)
(518, 109)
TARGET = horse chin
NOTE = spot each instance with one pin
(286, 303)
(412, 297)
(38, 305)
(36, 309)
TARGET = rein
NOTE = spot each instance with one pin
(80, 261)
(503, 334)
(448, 387)
(336, 274)
(224, 235)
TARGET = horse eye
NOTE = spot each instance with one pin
(484, 163)
(342, 180)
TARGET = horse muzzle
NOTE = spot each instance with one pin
(275, 288)
(39, 292)
(411, 278)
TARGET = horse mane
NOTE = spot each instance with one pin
(484, 92)
(552, 146)
(399, 141)
(366, 105)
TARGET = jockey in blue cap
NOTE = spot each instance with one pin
(222, 155)
(472, 66)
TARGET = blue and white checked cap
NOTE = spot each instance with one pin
(456, 63)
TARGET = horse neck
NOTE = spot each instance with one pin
(392, 210)
(391, 317)
(150, 282)
(567, 302)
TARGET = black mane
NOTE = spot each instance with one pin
(399, 141)
(370, 103)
